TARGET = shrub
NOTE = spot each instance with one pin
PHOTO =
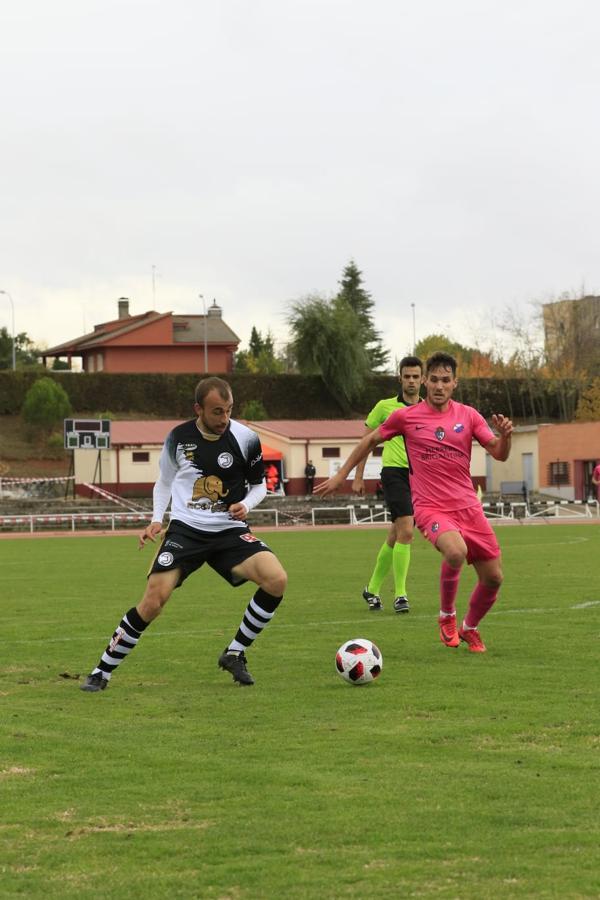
(46, 405)
(254, 411)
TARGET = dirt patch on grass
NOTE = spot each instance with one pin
(16, 772)
(137, 827)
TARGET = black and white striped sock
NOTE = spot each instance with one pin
(257, 616)
(123, 641)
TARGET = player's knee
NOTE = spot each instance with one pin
(455, 558)
(275, 582)
(153, 601)
(404, 535)
(493, 580)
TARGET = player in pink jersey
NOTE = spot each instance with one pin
(438, 435)
(596, 479)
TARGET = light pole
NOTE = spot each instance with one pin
(14, 346)
(414, 329)
(205, 337)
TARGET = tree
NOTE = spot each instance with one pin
(588, 408)
(360, 301)
(328, 339)
(260, 358)
(26, 353)
(45, 406)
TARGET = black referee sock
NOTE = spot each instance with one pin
(129, 631)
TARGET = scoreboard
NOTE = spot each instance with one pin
(87, 434)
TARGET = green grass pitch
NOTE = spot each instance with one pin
(455, 775)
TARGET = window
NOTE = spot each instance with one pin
(141, 456)
(330, 453)
(558, 473)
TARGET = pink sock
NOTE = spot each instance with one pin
(449, 579)
(482, 600)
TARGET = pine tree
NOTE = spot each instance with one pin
(354, 294)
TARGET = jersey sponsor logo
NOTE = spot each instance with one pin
(440, 434)
(188, 450)
(173, 544)
(256, 459)
(458, 427)
(249, 538)
(210, 487)
(225, 460)
(165, 559)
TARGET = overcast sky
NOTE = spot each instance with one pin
(248, 150)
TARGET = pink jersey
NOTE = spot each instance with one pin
(438, 445)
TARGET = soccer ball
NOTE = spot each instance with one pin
(359, 661)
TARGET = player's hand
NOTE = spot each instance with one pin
(238, 511)
(358, 486)
(503, 425)
(150, 533)
(330, 486)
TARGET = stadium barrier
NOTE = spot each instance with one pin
(38, 522)
(332, 509)
(567, 509)
(374, 512)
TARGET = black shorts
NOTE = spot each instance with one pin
(187, 549)
(396, 491)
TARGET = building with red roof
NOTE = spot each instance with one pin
(154, 342)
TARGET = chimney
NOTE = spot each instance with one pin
(123, 307)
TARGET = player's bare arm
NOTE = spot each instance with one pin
(150, 533)
(358, 485)
(499, 447)
(360, 452)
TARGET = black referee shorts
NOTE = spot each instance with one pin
(187, 549)
(396, 491)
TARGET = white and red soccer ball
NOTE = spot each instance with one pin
(359, 661)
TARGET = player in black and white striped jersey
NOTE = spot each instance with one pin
(211, 470)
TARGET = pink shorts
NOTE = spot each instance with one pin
(470, 523)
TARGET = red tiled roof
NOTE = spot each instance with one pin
(141, 432)
(312, 429)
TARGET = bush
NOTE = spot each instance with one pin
(254, 411)
(46, 405)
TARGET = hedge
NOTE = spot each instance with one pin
(283, 396)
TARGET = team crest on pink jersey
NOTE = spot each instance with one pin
(458, 427)
(440, 434)
(435, 526)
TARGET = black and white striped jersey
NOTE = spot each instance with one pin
(203, 477)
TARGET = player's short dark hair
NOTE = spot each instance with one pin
(212, 383)
(440, 358)
(410, 361)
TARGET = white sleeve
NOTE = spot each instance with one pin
(255, 495)
(161, 494)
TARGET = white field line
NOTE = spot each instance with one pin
(577, 607)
